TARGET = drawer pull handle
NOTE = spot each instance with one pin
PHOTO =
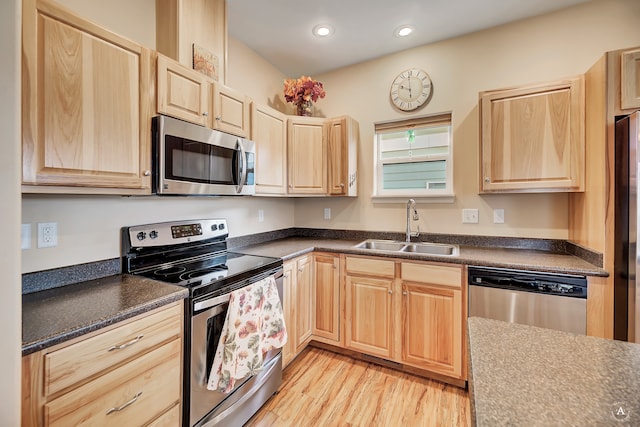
(127, 344)
(123, 406)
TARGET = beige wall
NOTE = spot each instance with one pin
(10, 287)
(540, 49)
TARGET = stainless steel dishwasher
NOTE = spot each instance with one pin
(547, 300)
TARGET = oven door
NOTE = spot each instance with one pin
(207, 407)
(193, 160)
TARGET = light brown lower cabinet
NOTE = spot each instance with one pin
(129, 374)
(297, 288)
(326, 298)
(410, 313)
(368, 306)
(432, 317)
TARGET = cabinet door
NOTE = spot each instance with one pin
(269, 132)
(182, 93)
(86, 104)
(532, 138)
(307, 155)
(230, 111)
(368, 315)
(326, 297)
(630, 79)
(432, 328)
(343, 136)
(304, 314)
(289, 311)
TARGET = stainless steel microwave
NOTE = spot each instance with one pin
(189, 159)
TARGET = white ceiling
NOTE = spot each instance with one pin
(280, 30)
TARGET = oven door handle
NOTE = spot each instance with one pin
(222, 299)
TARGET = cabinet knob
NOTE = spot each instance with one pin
(390, 291)
(301, 269)
(404, 293)
(206, 113)
(218, 118)
(286, 275)
(341, 185)
(487, 179)
(146, 173)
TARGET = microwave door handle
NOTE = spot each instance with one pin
(243, 167)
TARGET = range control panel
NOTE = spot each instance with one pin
(177, 232)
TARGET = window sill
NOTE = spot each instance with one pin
(419, 199)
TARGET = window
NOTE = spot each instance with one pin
(413, 158)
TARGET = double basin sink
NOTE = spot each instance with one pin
(424, 248)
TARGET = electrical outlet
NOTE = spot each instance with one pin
(469, 216)
(327, 213)
(498, 216)
(47, 234)
(25, 235)
(260, 215)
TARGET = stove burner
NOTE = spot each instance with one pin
(204, 271)
(169, 271)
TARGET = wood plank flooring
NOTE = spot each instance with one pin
(321, 388)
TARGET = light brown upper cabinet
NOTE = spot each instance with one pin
(182, 93)
(532, 138)
(86, 106)
(230, 110)
(630, 80)
(344, 137)
(307, 155)
(182, 23)
(269, 131)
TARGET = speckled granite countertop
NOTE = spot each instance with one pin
(57, 315)
(527, 376)
(526, 259)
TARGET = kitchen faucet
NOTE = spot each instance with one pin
(411, 205)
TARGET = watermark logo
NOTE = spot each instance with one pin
(620, 411)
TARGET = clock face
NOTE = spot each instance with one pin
(411, 89)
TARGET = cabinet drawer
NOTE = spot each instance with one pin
(171, 418)
(432, 274)
(77, 362)
(141, 390)
(371, 267)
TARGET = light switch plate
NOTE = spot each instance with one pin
(498, 216)
(260, 215)
(327, 213)
(25, 235)
(469, 216)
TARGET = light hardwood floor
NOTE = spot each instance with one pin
(321, 388)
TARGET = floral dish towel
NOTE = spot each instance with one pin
(254, 325)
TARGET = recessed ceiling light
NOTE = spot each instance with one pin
(404, 31)
(322, 30)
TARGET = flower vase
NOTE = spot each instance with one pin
(305, 108)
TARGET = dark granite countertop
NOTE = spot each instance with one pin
(526, 259)
(527, 376)
(56, 315)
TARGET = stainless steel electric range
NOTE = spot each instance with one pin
(194, 254)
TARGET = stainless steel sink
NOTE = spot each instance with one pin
(381, 245)
(425, 248)
(431, 249)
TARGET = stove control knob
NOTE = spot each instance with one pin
(153, 234)
(221, 227)
(214, 227)
(141, 235)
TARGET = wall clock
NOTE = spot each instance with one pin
(411, 89)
